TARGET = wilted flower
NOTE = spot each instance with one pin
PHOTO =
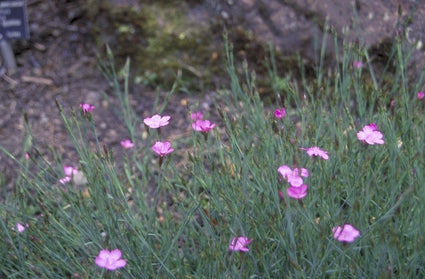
(110, 260)
(280, 113)
(127, 144)
(86, 107)
(421, 95)
(346, 233)
(197, 115)
(157, 121)
(239, 244)
(162, 148)
(316, 151)
(370, 135)
(297, 192)
(293, 176)
(202, 125)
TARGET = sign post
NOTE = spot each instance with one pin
(13, 25)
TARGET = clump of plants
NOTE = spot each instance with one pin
(316, 184)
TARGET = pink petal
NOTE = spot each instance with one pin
(115, 254)
(297, 192)
(284, 170)
(197, 115)
(295, 180)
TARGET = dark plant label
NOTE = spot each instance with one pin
(13, 20)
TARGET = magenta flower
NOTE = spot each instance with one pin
(421, 95)
(110, 260)
(157, 121)
(239, 244)
(357, 64)
(280, 113)
(197, 116)
(162, 148)
(370, 135)
(202, 125)
(127, 144)
(346, 233)
(86, 108)
(297, 192)
(293, 176)
(316, 151)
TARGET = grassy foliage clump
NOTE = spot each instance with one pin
(175, 216)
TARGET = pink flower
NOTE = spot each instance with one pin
(202, 125)
(297, 192)
(239, 243)
(421, 95)
(110, 260)
(162, 148)
(69, 173)
(86, 108)
(370, 135)
(316, 151)
(357, 64)
(157, 121)
(197, 116)
(293, 176)
(21, 228)
(346, 233)
(127, 144)
(279, 113)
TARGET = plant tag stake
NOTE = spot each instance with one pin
(13, 25)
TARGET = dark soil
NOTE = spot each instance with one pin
(59, 62)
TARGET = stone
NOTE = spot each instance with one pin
(295, 27)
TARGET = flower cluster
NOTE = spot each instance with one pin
(297, 189)
(295, 177)
(199, 124)
(155, 122)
